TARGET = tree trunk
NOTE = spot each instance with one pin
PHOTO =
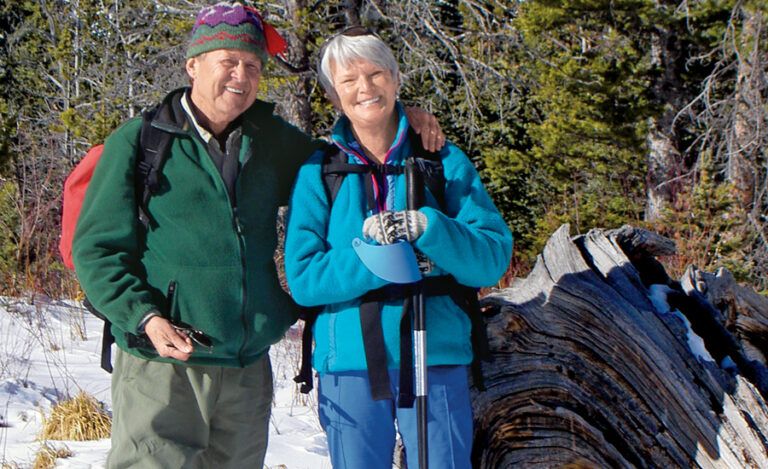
(591, 368)
(664, 160)
(744, 144)
(297, 106)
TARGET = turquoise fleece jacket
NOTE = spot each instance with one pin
(217, 251)
(468, 240)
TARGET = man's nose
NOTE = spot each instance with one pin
(240, 71)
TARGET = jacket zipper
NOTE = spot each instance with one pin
(241, 244)
(244, 290)
(171, 299)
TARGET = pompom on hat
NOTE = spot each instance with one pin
(234, 26)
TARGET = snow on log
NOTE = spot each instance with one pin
(601, 360)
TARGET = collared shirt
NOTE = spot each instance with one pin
(226, 160)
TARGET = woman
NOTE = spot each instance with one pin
(465, 237)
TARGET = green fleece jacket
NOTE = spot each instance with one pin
(216, 251)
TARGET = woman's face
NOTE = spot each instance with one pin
(366, 92)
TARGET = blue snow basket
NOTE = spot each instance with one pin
(394, 263)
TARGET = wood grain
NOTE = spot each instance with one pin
(586, 372)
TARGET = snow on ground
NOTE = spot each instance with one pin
(50, 350)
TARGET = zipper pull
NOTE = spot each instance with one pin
(236, 221)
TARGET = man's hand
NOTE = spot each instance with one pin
(426, 125)
(168, 342)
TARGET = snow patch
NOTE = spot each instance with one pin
(51, 350)
(658, 295)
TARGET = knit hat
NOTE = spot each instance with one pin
(234, 26)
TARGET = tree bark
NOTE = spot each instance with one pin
(591, 368)
(297, 106)
(744, 145)
(664, 159)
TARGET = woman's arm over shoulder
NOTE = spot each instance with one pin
(317, 273)
(470, 240)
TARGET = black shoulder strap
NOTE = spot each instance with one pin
(153, 149)
(154, 144)
(430, 165)
(335, 167)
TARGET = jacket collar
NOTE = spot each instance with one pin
(173, 118)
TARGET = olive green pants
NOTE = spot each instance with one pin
(174, 416)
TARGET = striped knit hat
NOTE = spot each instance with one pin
(234, 26)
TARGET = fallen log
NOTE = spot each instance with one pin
(597, 363)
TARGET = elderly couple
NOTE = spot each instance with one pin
(207, 260)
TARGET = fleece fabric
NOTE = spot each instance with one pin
(215, 249)
(468, 239)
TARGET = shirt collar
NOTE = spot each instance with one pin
(204, 134)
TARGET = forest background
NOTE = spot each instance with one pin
(594, 112)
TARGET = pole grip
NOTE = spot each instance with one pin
(414, 184)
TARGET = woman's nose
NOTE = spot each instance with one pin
(365, 83)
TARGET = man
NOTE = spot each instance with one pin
(201, 273)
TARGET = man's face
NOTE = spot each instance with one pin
(225, 83)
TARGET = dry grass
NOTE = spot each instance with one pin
(81, 418)
(47, 456)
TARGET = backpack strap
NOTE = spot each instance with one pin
(335, 168)
(466, 298)
(444, 285)
(304, 378)
(154, 144)
(430, 165)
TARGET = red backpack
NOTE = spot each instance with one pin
(154, 143)
(74, 193)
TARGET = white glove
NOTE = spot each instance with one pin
(390, 227)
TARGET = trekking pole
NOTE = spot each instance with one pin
(415, 191)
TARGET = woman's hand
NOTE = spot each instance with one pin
(389, 227)
(426, 125)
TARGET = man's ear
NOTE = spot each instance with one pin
(191, 67)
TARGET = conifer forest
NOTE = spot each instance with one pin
(595, 113)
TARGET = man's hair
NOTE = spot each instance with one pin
(343, 50)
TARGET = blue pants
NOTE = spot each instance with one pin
(361, 431)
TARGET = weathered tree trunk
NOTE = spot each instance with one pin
(591, 369)
(744, 145)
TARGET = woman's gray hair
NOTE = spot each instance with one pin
(345, 49)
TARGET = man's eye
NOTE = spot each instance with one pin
(228, 63)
